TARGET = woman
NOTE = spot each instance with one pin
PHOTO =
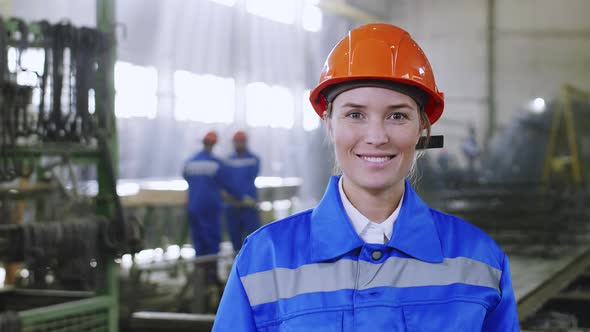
(371, 256)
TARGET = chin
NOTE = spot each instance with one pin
(378, 184)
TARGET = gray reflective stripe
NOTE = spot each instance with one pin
(201, 167)
(242, 162)
(282, 283)
(402, 272)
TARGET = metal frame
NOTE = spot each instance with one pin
(551, 288)
(568, 94)
(102, 309)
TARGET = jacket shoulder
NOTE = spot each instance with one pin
(460, 238)
(282, 243)
(276, 230)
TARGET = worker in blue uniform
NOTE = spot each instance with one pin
(206, 176)
(371, 256)
(471, 150)
(242, 218)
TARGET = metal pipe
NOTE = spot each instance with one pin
(105, 108)
(91, 305)
(168, 321)
(491, 77)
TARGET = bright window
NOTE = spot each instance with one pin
(312, 18)
(91, 103)
(311, 120)
(229, 3)
(135, 91)
(276, 10)
(32, 59)
(269, 106)
(204, 98)
(31, 65)
(2, 276)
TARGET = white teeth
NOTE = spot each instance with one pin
(376, 159)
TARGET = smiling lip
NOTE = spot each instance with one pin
(376, 159)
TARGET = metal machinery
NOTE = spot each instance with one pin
(57, 130)
(563, 302)
(533, 173)
(164, 289)
(531, 195)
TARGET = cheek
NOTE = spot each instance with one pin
(339, 134)
(407, 140)
(341, 141)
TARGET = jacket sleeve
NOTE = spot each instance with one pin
(504, 317)
(227, 180)
(234, 312)
(256, 168)
(184, 172)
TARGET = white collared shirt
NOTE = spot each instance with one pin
(370, 232)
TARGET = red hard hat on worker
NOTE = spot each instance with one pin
(376, 54)
(240, 136)
(210, 137)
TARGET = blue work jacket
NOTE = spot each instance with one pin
(312, 272)
(206, 175)
(245, 168)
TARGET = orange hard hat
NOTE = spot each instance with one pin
(240, 136)
(376, 53)
(210, 137)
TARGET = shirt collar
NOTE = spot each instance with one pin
(360, 223)
(332, 234)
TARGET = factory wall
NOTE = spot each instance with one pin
(539, 45)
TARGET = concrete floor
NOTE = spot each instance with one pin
(529, 272)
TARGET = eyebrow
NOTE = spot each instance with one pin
(398, 106)
(353, 105)
(392, 107)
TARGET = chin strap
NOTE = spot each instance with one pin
(435, 142)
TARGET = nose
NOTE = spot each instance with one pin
(376, 133)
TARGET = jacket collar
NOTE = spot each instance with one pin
(414, 232)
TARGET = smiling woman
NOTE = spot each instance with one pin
(375, 131)
(372, 256)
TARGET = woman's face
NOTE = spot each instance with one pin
(375, 132)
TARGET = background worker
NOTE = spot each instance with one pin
(471, 150)
(206, 176)
(242, 217)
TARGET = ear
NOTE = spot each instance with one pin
(420, 131)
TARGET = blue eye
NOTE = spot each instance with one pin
(354, 115)
(398, 116)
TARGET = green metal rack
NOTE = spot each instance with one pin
(100, 311)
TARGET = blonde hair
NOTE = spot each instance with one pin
(326, 117)
(413, 174)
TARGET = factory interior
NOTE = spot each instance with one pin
(97, 125)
